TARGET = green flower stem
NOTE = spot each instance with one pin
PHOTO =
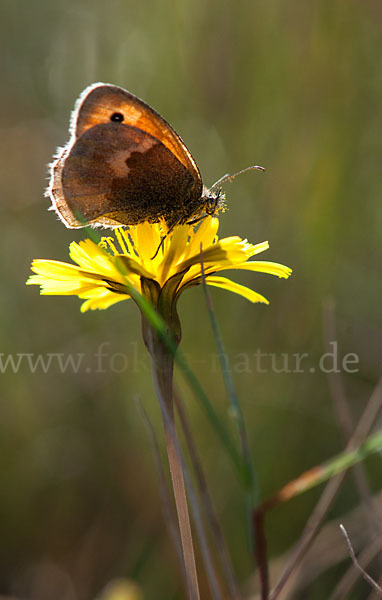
(163, 369)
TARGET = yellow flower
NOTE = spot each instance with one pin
(106, 274)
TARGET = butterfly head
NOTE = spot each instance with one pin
(213, 200)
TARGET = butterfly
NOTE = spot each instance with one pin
(124, 164)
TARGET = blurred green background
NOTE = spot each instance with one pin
(295, 87)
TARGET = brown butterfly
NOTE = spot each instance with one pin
(124, 164)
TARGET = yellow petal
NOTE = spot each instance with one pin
(130, 266)
(253, 249)
(147, 241)
(64, 287)
(102, 300)
(54, 269)
(236, 288)
(174, 251)
(60, 271)
(204, 235)
(271, 268)
(83, 253)
(94, 259)
(226, 251)
(224, 264)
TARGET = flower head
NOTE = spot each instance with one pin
(107, 273)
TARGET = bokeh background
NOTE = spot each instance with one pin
(296, 87)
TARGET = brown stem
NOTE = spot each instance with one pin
(163, 366)
(207, 502)
(260, 544)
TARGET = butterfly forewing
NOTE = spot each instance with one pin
(101, 101)
(135, 166)
(124, 164)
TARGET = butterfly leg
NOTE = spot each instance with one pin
(171, 228)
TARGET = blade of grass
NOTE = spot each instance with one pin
(252, 493)
(207, 502)
(251, 482)
(321, 473)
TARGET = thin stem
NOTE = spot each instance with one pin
(163, 366)
(250, 479)
(366, 556)
(207, 502)
(365, 575)
(167, 504)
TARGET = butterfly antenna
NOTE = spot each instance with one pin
(230, 178)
